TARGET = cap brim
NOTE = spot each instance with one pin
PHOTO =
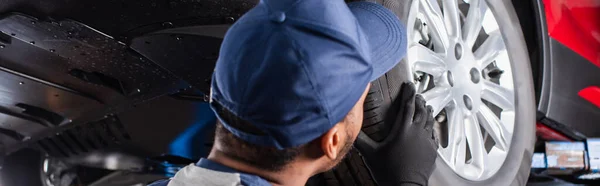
(385, 34)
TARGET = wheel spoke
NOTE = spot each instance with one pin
(476, 144)
(425, 60)
(493, 126)
(473, 21)
(438, 98)
(451, 18)
(433, 15)
(490, 49)
(457, 144)
(498, 95)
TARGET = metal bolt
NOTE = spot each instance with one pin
(468, 102)
(475, 77)
(458, 51)
(450, 78)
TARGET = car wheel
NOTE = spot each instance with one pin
(469, 60)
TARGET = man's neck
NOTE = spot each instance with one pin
(291, 175)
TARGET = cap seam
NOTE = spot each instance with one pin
(244, 22)
(241, 108)
(298, 50)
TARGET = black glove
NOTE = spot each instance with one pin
(407, 155)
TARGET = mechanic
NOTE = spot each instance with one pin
(288, 91)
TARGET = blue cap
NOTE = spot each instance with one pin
(295, 68)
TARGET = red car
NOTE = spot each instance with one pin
(113, 92)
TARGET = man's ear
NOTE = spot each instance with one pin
(332, 142)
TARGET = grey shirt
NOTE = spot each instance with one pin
(211, 173)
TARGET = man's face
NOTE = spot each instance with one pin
(351, 127)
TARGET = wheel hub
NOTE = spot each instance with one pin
(464, 78)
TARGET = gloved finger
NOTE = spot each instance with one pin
(435, 139)
(421, 113)
(405, 114)
(430, 119)
(365, 144)
(407, 98)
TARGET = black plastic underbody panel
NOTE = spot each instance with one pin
(20, 95)
(132, 18)
(191, 57)
(106, 133)
(55, 75)
(69, 46)
(570, 74)
(81, 60)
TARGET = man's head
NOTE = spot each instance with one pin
(325, 152)
(292, 76)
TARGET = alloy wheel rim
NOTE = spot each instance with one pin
(461, 68)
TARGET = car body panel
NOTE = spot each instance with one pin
(570, 73)
(576, 24)
(565, 69)
(592, 94)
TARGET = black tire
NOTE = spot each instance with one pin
(352, 171)
(384, 90)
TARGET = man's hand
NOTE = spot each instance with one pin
(407, 155)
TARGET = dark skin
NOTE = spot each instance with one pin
(322, 155)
